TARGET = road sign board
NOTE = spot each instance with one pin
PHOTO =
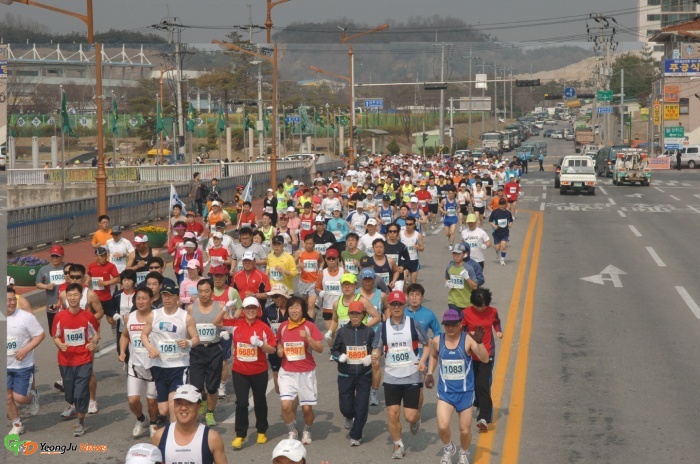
(569, 92)
(672, 111)
(674, 132)
(293, 119)
(605, 95)
(375, 103)
(673, 144)
(678, 67)
(605, 110)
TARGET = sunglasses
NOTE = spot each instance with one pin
(75, 276)
(392, 231)
(396, 303)
(331, 259)
(250, 307)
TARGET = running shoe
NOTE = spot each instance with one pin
(152, 429)
(463, 457)
(69, 412)
(503, 262)
(33, 407)
(17, 429)
(306, 437)
(415, 427)
(203, 408)
(482, 425)
(58, 385)
(348, 423)
(209, 418)
(222, 392)
(293, 433)
(262, 439)
(449, 247)
(399, 452)
(92, 408)
(237, 442)
(447, 455)
(354, 442)
(78, 430)
(373, 398)
(139, 428)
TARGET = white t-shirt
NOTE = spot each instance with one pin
(475, 238)
(123, 247)
(21, 328)
(365, 243)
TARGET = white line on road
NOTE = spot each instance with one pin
(621, 213)
(544, 195)
(657, 188)
(542, 206)
(611, 201)
(689, 301)
(655, 257)
(103, 351)
(605, 192)
(544, 187)
(635, 231)
(675, 197)
(440, 227)
(251, 404)
(694, 209)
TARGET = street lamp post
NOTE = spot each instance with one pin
(344, 39)
(273, 123)
(268, 21)
(101, 177)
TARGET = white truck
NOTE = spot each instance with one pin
(577, 175)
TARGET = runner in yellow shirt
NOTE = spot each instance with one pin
(281, 267)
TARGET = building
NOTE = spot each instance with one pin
(655, 15)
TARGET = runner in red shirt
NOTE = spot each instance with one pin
(102, 276)
(197, 228)
(512, 191)
(250, 281)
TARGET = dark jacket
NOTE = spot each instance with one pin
(353, 336)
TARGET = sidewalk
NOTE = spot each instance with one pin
(81, 252)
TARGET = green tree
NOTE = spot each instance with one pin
(640, 72)
(393, 147)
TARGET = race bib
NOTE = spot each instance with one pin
(360, 229)
(276, 275)
(118, 261)
(246, 352)
(452, 369)
(333, 287)
(12, 346)
(310, 265)
(294, 351)
(56, 277)
(351, 267)
(473, 244)
(451, 211)
(305, 226)
(74, 337)
(394, 257)
(384, 276)
(168, 348)
(137, 345)
(502, 223)
(207, 332)
(356, 354)
(268, 209)
(141, 276)
(337, 234)
(246, 224)
(386, 220)
(457, 282)
(322, 247)
(97, 283)
(513, 190)
(400, 356)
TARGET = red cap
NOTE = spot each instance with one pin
(356, 307)
(332, 252)
(397, 296)
(57, 250)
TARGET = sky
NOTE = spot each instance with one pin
(137, 14)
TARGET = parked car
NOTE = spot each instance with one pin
(570, 137)
(3, 157)
(547, 133)
(690, 157)
(550, 122)
(557, 135)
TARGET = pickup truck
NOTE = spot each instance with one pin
(577, 175)
(583, 137)
(631, 167)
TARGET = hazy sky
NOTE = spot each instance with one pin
(136, 14)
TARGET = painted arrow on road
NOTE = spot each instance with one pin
(612, 273)
(635, 195)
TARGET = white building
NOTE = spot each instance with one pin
(655, 15)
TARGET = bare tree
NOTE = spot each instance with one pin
(408, 123)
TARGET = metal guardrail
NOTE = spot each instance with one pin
(174, 173)
(63, 221)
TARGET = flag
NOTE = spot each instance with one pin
(191, 115)
(319, 120)
(248, 191)
(266, 120)
(160, 127)
(115, 116)
(65, 118)
(221, 124)
(175, 200)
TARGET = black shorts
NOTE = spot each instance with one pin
(206, 366)
(409, 394)
(108, 308)
(480, 209)
(275, 362)
(327, 314)
(433, 208)
(167, 380)
(412, 265)
(464, 209)
(512, 201)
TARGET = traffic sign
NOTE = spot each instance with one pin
(376, 103)
(570, 92)
(674, 132)
(605, 110)
(605, 95)
(293, 119)
(673, 144)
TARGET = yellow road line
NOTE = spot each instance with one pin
(511, 444)
(484, 445)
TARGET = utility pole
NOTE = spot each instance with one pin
(605, 35)
(452, 124)
(622, 106)
(495, 97)
(441, 137)
(174, 31)
(471, 84)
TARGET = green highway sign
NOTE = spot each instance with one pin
(674, 132)
(605, 95)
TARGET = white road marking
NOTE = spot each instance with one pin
(544, 195)
(544, 187)
(689, 301)
(675, 197)
(251, 404)
(103, 351)
(635, 231)
(601, 189)
(655, 257)
(611, 201)
(697, 196)
(621, 213)
(611, 271)
(657, 188)
(542, 206)
(694, 209)
(440, 227)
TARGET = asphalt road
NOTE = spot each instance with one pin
(601, 370)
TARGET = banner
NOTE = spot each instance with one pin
(687, 67)
(672, 93)
(175, 200)
(657, 113)
(248, 191)
(661, 162)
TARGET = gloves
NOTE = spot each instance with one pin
(367, 360)
(478, 334)
(321, 294)
(255, 341)
(483, 246)
(228, 305)
(429, 381)
(224, 335)
(328, 335)
(181, 271)
(343, 358)
(449, 284)
(117, 317)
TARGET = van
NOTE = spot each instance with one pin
(606, 157)
(690, 157)
(3, 157)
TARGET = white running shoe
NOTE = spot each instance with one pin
(33, 407)
(92, 408)
(354, 442)
(449, 247)
(139, 428)
(399, 452)
(447, 455)
(482, 425)
(415, 427)
(503, 262)
(306, 437)
(69, 412)
(17, 429)
(293, 434)
(78, 430)
(463, 457)
(222, 392)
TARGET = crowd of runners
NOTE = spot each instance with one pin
(330, 269)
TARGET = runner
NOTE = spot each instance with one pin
(339, 227)
(102, 275)
(366, 242)
(448, 209)
(413, 240)
(348, 285)
(246, 245)
(139, 380)
(76, 333)
(274, 315)
(323, 239)
(200, 444)
(24, 334)
(512, 191)
(477, 239)
(452, 353)
(121, 251)
(281, 267)
(49, 278)
(328, 286)
(459, 279)
(103, 233)
(353, 342)
(434, 192)
(309, 261)
(480, 197)
(501, 220)
(398, 340)
(296, 338)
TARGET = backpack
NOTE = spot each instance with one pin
(204, 192)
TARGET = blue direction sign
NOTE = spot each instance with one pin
(293, 119)
(570, 92)
(605, 110)
(376, 103)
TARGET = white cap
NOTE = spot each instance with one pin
(187, 392)
(360, 204)
(10, 280)
(217, 235)
(143, 453)
(249, 255)
(414, 200)
(291, 449)
(337, 208)
(251, 301)
(291, 209)
(371, 222)
(215, 203)
(320, 218)
(270, 190)
(296, 182)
